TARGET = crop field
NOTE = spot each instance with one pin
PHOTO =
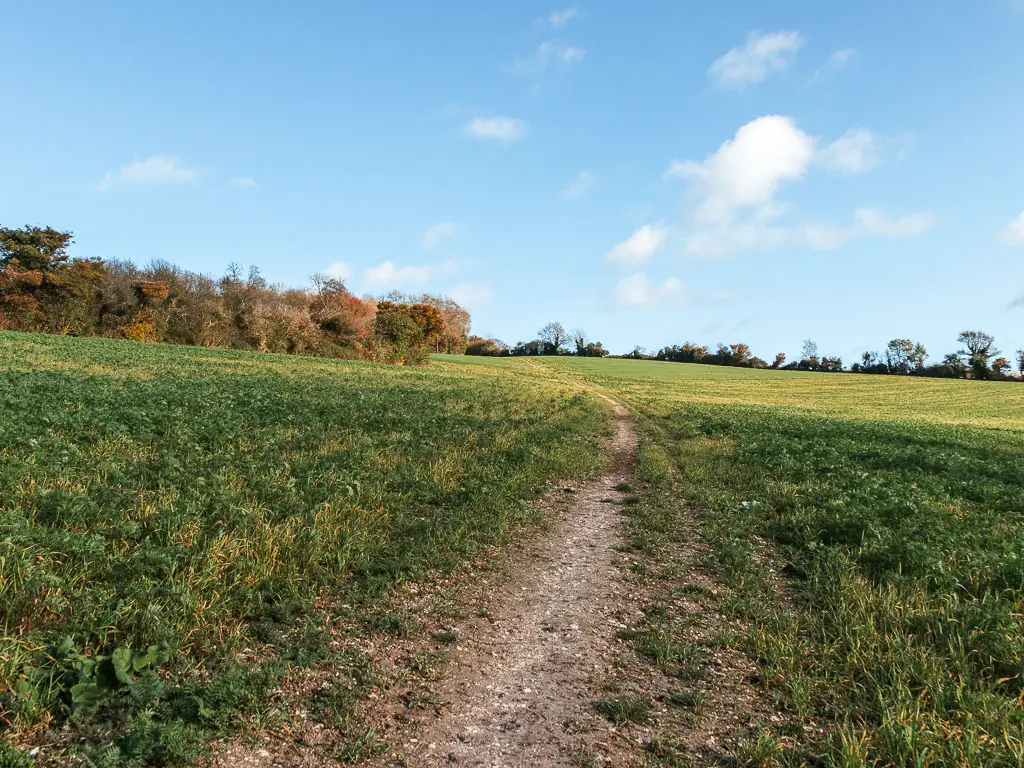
(169, 516)
(870, 530)
(181, 528)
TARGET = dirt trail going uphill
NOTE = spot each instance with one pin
(524, 684)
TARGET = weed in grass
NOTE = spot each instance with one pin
(359, 744)
(668, 751)
(625, 709)
(624, 487)
(694, 590)
(444, 637)
(693, 701)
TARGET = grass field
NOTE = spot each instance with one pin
(871, 531)
(180, 528)
(169, 515)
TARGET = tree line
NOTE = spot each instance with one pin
(977, 357)
(552, 339)
(43, 289)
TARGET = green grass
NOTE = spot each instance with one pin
(201, 502)
(870, 530)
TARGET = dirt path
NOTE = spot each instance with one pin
(521, 691)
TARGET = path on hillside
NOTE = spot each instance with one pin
(522, 688)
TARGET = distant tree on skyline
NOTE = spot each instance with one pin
(555, 335)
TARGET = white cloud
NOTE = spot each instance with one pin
(1015, 231)
(875, 222)
(438, 232)
(472, 295)
(638, 247)
(761, 56)
(638, 290)
(754, 235)
(563, 17)
(156, 169)
(833, 64)
(388, 275)
(244, 182)
(548, 55)
(339, 270)
(747, 170)
(856, 151)
(580, 185)
(498, 128)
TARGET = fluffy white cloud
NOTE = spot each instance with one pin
(244, 182)
(1015, 231)
(580, 185)
(549, 55)
(875, 222)
(498, 128)
(156, 169)
(747, 170)
(638, 247)
(472, 295)
(388, 275)
(563, 17)
(638, 290)
(761, 56)
(856, 151)
(339, 270)
(438, 232)
(833, 64)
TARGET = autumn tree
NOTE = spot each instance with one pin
(1000, 366)
(343, 318)
(554, 335)
(487, 347)
(739, 354)
(779, 360)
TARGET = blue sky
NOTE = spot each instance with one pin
(653, 172)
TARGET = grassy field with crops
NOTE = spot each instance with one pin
(181, 529)
(171, 516)
(870, 532)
